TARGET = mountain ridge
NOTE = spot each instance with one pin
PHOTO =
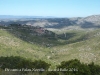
(83, 22)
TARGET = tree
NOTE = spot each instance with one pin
(95, 69)
(74, 67)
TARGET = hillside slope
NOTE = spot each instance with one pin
(73, 44)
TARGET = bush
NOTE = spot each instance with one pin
(74, 67)
(16, 62)
(95, 69)
(71, 67)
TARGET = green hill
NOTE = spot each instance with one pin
(31, 43)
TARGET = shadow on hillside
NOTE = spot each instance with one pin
(66, 36)
(89, 25)
(59, 23)
(28, 34)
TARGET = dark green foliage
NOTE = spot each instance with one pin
(71, 67)
(66, 36)
(19, 63)
(49, 33)
(41, 36)
(52, 73)
(38, 64)
(75, 67)
(95, 69)
(10, 62)
(15, 25)
(31, 34)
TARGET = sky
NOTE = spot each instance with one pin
(56, 8)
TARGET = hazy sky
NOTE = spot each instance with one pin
(57, 8)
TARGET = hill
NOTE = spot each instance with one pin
(52, 47)
(92, 21)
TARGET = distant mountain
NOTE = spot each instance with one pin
(93, 19)
(87, 22)
(47, 22)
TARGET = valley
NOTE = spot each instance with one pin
(51, 42)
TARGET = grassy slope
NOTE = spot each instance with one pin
(85, 50)
(10, 45)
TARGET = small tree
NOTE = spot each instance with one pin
(74, 67)
(95, 69)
